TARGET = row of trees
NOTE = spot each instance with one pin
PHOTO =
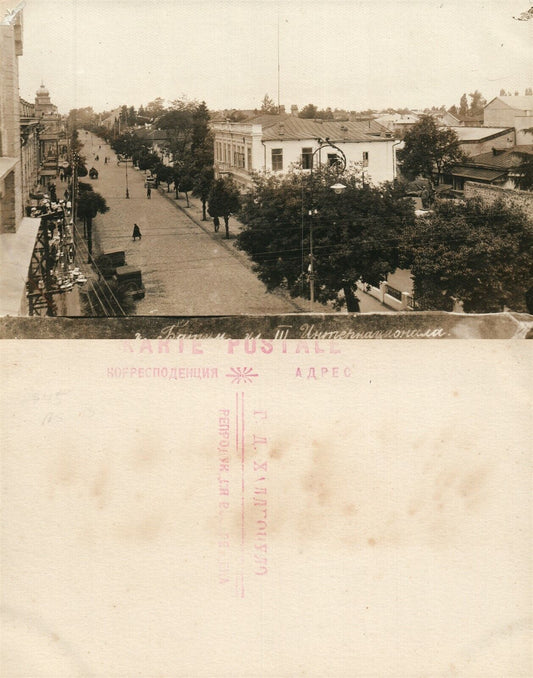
(474, 109)
(468, 252)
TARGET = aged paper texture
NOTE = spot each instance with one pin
(300, 508)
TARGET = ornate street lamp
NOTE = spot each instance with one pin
(340, 163)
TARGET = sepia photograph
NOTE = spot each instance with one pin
(266, 281)
(195, 159)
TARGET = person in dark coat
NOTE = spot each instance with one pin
(136, 232)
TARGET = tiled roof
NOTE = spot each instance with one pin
(266, 120)
(293, 128)
(510, 157)
(477, 173)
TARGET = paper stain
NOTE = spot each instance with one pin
(141, 528)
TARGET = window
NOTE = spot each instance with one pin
(333, 159)
(277, 159)
(365, 158)
(249, 158)
(239, 159)
(307, 158)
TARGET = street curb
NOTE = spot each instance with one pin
(241, 258)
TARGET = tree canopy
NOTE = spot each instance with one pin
(90, 204)
(355, 234)
(268, 105)
(474, 253)
(224, 199)
(429, 150)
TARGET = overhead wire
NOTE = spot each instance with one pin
(90, 256)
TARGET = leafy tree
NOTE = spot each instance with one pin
(474, 253)
(81, 118)
(326, 114)
(203, 181)
(477, 104)
(165, 173)
(309, 111)
(200, 126)
(127, 144)
(429, 150)
(453, 110)
(146, 159)
(523, 174)
(528, 91)
(90, 204)
(155, 108)
(224, 199)
(355, 234)
(502, 92)
(82, 186)
(463, 106)
(268, 105)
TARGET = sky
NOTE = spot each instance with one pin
(351, 54)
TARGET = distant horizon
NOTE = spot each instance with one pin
(345, 54)
(287, 108)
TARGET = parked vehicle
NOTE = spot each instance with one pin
(93, 173)
(110, 261)
(129, 281)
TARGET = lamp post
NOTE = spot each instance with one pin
(338, 188)
(127, 188)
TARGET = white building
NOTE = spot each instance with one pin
(279, 143)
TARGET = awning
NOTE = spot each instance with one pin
(15, 256)
(6, 165)
(48, 172)
(477, 173)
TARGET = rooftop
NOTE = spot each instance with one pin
(292, 128)
(523, 103)
(466, 134)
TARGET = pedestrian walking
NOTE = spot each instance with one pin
(97, 158)
(148, 192)
(66, 194)
(136, 232)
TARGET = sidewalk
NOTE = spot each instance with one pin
(367, 303)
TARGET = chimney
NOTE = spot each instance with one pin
(281, 110)
(294, 110)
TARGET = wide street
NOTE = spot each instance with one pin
(186, 270)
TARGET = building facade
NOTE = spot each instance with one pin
(49, 136)
(512, 111)
(476, 140)
(280, 143)
(30, 150)
(11, 207)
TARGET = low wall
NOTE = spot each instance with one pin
(491, 193)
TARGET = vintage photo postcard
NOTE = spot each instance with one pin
(265, 296)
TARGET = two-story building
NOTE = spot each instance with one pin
(279, 143)
(49, 136)
(30, 149)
